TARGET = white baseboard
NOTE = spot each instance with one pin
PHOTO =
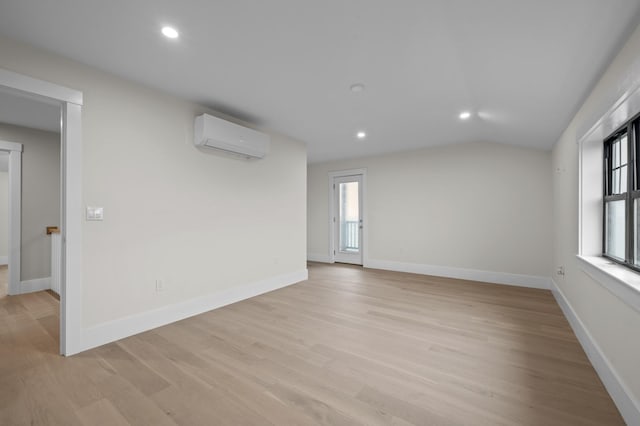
(31, 286)
(4, 260)
(119, 329)
(317, 257)
(629, 407)
(518, 280)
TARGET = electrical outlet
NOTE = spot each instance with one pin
(159, 286)
(560, 270)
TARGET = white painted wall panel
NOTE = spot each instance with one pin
(481, 206)
(613, 324)
(201, 223)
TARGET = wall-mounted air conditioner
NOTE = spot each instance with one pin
(221, 135)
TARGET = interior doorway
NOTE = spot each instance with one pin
(346, 216)
(69, 102)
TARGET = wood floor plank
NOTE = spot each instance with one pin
(137, 373)
(349, 346)
(101, 413)
(136, 407)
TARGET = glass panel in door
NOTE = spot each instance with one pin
(349, 217)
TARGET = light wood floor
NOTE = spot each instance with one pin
(349, 346)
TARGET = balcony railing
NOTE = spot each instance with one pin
(349, 236)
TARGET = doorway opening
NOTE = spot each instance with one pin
(346, 216)
(69, 103)
(4, 224)
(10, 211)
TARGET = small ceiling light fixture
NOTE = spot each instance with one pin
(357, 87)
(465, 115)
(170, 32)
(361, 135)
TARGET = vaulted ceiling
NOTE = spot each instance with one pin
(520, 67)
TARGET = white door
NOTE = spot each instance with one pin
(347, 219)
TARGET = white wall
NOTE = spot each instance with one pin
(613, 324)
(203, 224)
(480, 206)
(4, 217)
(40, 196)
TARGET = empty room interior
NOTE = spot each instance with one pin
(302, 213)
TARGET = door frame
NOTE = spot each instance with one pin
(15, 213)
(353, 258)
(365, 229)
(70, 102)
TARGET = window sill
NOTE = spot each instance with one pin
(621, 281)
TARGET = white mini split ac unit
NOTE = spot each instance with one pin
(216, 134)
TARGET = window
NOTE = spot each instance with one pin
(619, 276)
(621, 215)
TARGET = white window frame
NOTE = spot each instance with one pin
(618, 279)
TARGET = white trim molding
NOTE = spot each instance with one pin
(31, 286)
(619, 280)
(623, 398)
(11, 146)
(119, 329)
(518, 280)
(318, 257)
(39, 87)
(71, 233)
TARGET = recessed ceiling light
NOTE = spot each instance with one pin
(357, 87)
(465, 115)
(170, 32)
(361, 135)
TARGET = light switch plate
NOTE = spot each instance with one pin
(95, 213)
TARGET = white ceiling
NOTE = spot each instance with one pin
(523, 67)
